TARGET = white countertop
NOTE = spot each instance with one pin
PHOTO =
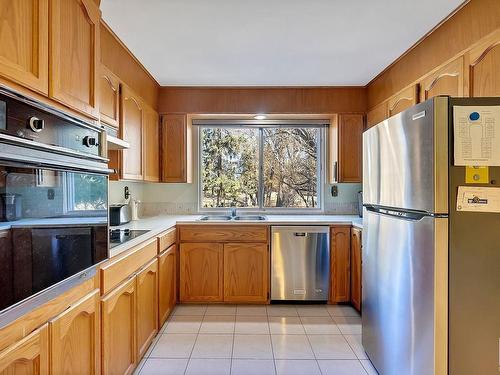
(60, 221)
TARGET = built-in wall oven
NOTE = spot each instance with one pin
(53, 203)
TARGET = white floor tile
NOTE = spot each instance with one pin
(217, 324)
(156, 366)
(190, 310)
(183, 324)
(291, 347)
(213, 346)
(251, 310)
(252, 347)
(319, 325)
(174, 346)
(297, 367)
(251, 325)
(220, 310)
(341, 367)
(290, 325)
(312, 310)
(342, 310)
(348, 325)
(281, 310)
(356, 345)
(209, 367)
(331, 347)
(369, 367)
(252, 367)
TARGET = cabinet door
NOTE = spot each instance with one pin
(201, 272)
(24, 46)
(119, 329)
(449, 80)
(75, 338)
(151, 145)
(403, 100)
(377, 114)
(340, 238)
(29, 356)
(74, 54)
(246, 269)
(356, 268)
(176, 149)
(484, 68)
(131, 129)
(350, 147)
(167, 280)
(147, 306)
(109, 97)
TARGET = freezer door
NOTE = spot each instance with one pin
(403, 301)
(405, 159)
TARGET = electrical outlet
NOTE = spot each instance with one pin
(335, 191)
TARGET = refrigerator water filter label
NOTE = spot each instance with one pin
(476, 131)
(478, 199)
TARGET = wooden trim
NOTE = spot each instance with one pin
(167, 239)
(224, 233)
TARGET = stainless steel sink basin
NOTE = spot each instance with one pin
(250, 218)
(215, 218)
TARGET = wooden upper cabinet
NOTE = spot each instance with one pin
(201, 272)
(24, 39)
(176, 149)
(109, 97)
(402, 101)
(151, 145)
(350, 147)
(167, 281)
(74, 54)
(377, 114)
(340, 263)
(449, 80)
(246, 270)
(29, 356)
(356, 268)
(484, 68)
(131, 123)
(147, 306)
(75, 338)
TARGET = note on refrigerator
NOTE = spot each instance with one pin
(478, 199)
(476, 135)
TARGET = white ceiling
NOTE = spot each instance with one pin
(271, 42)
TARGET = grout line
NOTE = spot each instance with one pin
(310, 345)
(196, 340)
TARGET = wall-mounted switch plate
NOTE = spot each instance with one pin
(335, 191)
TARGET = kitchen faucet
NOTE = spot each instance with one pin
(233, 212)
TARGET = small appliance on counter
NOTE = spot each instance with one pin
(119, 236)
(10, 207)
(119, 214)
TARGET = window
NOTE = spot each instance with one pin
(260, 166)
(85, 192)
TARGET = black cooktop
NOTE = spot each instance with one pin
(119, 236)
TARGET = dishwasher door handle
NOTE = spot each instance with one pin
(300, 234)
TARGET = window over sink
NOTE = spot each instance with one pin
(265, 165)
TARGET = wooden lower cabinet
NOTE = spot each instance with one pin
(201, 272)
(246, 270)
(356, 268)
(340, 263)
(119, 355)
(167, 281)
(75, 338)
(147, 306)
(29, 356)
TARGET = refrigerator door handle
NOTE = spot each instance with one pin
(398, 213)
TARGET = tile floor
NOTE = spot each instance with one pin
(258, 340)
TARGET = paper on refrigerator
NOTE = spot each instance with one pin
(476, 135)
(478, 199)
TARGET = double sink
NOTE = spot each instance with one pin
(231, 218)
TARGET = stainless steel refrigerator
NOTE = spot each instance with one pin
(431, 275)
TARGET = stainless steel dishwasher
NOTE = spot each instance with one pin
(300, 263)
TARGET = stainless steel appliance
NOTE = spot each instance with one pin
(430, 273)
(55, 239)
(300, 263)
(119, 214)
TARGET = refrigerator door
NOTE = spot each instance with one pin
(405, 159)
(404, 293)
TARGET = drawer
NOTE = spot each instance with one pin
(223, 233)
(117, 270)
(167, 239)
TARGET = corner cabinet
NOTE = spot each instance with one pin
(74, 54)
(131, 123)
(340, 264)
(356, 268)
(176, 148)
(23, 43)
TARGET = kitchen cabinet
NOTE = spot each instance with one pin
(109, 97)
(147, 306)
(167, 283)
(356, 268)
(377, 114)
(24, 46)
(74, 54)
(402, 101)
(340, 263)
(75, 338)
(246, 270)
(119, 355)
(350, 147)
(131, 123)
(151, 145)
(29, 356)
(201, 272)
(484, 69)
(448, 80)
(176, 148)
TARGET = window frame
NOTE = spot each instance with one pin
(321, 125)
(69, 198)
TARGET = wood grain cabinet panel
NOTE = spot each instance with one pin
(109, 97)
(24, 46)
(340, 263)
(356, 268)
(75, 338)
(484, 68)
(404, 100)
(147, 306)
(167, 239)
(449, 80)
(246, 269)
(119, 355)
(223, 233)
(201, 272)
(29, 356)
(350, 147)
(151, 145)
(377, 114)
(131, 123)
(74, 54)
(176, 148)
(167, 283)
